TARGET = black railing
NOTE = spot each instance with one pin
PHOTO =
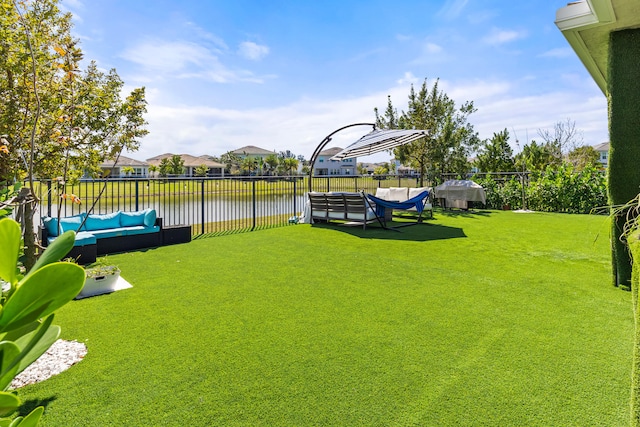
(208, 205)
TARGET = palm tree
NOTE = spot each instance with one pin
(290, 164)
(128, 170)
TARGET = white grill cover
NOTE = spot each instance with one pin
(460, 190)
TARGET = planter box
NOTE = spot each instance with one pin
(99, 285)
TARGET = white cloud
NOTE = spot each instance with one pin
(432, 48)
(168, 57)
(408, 78)
(560, 52)
(253, 51)
(301, 125)
(205, 35)
(499, 36)
(452, 9)
(160, 59)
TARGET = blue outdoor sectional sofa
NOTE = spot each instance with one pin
(106, 233)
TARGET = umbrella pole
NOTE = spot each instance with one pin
(324, 143)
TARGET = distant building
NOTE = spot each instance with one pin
(324, 166)
(253, 152)
(403, 170)
(371, 167)
(603, 151)
(191, 163)
(132, 168)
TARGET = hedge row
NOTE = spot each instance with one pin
(559, 189)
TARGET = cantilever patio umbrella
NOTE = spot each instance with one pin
(373, 142)
(379, 140)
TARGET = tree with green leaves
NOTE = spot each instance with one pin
(176, 165)
(164, 168)
(231, 162)
(55, 120)
(496, 154)
(381, 170)
(128, 171)
(201, 170)
(271, 163)
(537, 157)
(450, 137)
(77, 118)
(581, 157)
(249, 165)
(290, 164)
(563, 138)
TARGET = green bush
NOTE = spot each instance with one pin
(558, 189)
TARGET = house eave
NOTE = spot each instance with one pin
(593, 16)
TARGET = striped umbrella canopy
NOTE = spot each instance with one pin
(379, 140)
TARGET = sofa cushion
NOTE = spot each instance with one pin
(382, 193)
(132, 219)
(110, 232)
(141, 229)
(103, 222)
(66, 224)
(150, 218)
(83, 238)
(360, 216)
(398, 194)
(413, 192)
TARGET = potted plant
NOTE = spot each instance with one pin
(101, 278)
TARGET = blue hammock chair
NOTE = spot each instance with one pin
(416, 202)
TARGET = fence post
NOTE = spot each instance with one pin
(202, 207)
(137, 196)
(295, 196)
(253, 197)
(49, 198)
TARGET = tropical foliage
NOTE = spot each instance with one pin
(450, 138)
(28, 302)
(562, 189)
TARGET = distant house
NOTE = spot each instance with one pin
(403, 170)
(325, 166)
(191, 163)
(124, 168)
(371, 167)
(603, 151)
(252, 152)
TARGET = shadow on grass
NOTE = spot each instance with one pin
(470, 213)
(418, 232)
(32, 404)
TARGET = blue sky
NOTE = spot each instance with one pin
(283, 74)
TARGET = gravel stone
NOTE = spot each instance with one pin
(60, 357)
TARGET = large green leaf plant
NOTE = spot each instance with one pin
(27, 304)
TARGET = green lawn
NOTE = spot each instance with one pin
(493, 318)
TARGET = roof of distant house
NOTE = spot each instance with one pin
(123, 161)
(602, 147)
(331, 151)
(251, 149)
(189, 160)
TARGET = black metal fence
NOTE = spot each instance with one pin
(210, 206)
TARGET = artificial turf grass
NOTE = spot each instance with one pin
(492, 318)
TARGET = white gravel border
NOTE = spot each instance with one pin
(60, 357)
